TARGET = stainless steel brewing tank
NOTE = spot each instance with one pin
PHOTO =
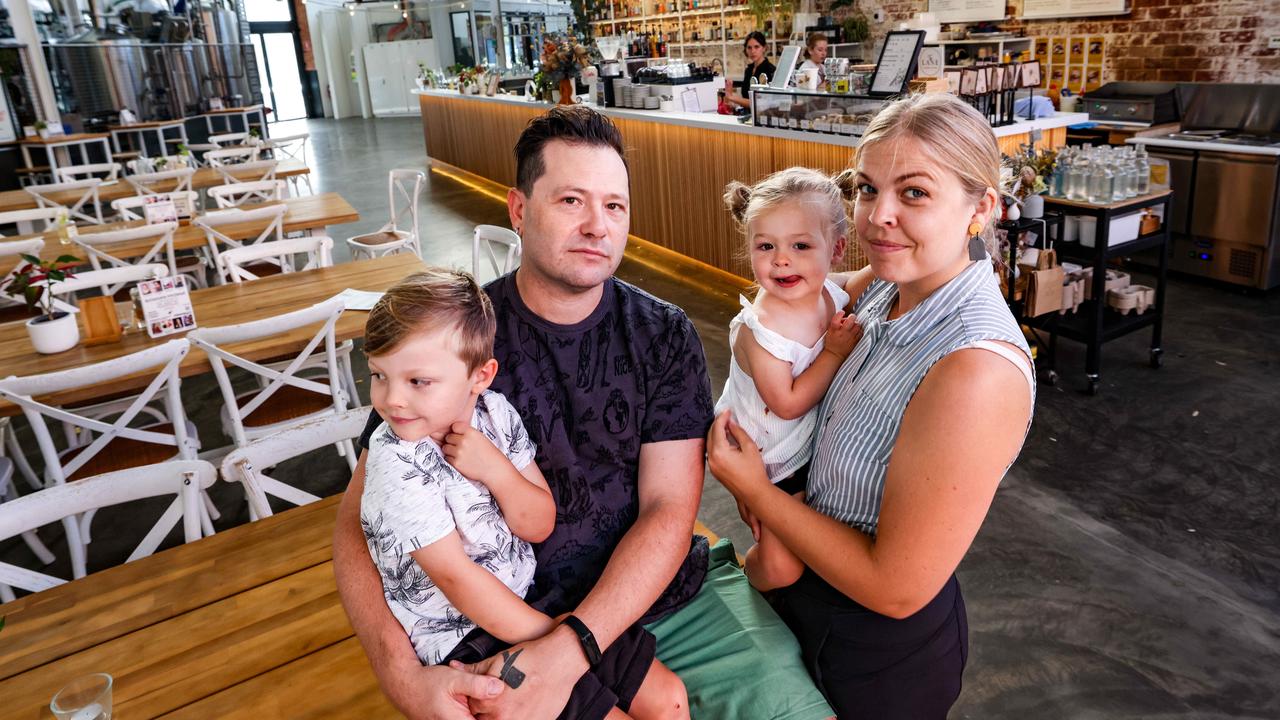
(98, 72)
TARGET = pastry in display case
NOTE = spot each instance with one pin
(813, 111)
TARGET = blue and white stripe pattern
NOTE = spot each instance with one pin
(861, 416)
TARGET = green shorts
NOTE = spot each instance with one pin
(736, 657)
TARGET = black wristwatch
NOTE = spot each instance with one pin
(589, 646)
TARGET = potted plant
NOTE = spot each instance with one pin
(421, 80)
(562, 64)
(42, 129)
(52, 331)
(184, 156)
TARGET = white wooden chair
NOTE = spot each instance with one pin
(249, 465)
(164, 181)
(110, 280)
(238, 262)
(98, 247)
(283, 399)
(404, 186)
(73, 502)
(235, 194)
(32, 220)
(246, 172)
(9, 492)
(213, 224)
(500, 245)
(130, 208)
(231, 156)
(160, 163)
(290, 147)
(87, 207)
(103, 443)
(107, 172)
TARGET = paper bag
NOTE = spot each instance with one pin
(1044, 285)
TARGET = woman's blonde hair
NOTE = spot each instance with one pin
(812, 39)
(954, 135)
(431, 300)
(830, 197)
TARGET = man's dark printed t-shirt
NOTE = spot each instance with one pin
(590, 394)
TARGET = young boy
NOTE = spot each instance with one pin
(452, 497)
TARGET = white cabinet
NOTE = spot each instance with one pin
(391, 68)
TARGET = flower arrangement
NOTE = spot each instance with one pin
(563, 60)
(1031, 170)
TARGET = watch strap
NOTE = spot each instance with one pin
(589, 646)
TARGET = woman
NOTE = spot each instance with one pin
(757, 65)
(815, 54)
(916, 431)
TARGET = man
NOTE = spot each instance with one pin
(611, 384)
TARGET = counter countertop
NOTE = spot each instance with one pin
(728, 123)
(1205, 145)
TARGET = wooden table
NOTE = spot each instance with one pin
(204, 178)
(225, 114)
(52, 143)
(216, 306)
(309, 212)
(244, 624)
(140, 130)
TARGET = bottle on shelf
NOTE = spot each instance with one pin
(1142, 170)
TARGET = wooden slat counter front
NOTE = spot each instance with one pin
(680, 162)
(244, 624)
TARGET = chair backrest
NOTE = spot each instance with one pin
(16, 248)
(85, 192)
(232, 138)
(317, 248)
(501, 245)
(213, 342)
(248, 465)
(170, 162)
(235, 194)
(253, 171)
(109, 280)
(230, 156)
(214, 224)
(41, 218)
(105, 171)
(130, 208)
(154, 183)
(160, 362)
(404, 186)
(98, 246)
(183, 479)
(290, 147)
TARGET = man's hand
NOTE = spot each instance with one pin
(471, 453)
(551, 664)
(843, 334)
(437, 692)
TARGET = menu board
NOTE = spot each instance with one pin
(166, 305)
(1072, 8)
(897, 63)
(954, 11)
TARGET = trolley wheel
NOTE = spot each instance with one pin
(1157, 358)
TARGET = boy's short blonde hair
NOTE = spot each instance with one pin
(433, 300)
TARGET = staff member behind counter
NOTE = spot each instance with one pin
(757, 65)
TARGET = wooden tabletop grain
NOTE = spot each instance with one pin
(244, 624)
(216, 306)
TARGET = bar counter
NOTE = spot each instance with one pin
(680, 163)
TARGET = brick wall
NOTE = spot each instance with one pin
(1174, 40)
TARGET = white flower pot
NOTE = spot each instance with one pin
(54, 336)
(1033, 206)
(421, 83)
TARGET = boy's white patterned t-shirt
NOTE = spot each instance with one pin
(414, 497)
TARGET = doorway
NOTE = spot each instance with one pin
(278, 74)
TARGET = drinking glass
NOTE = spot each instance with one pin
(85, 698)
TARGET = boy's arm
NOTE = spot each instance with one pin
(478, 594)
(522, 495)
(789, 397)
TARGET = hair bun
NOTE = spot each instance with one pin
(846, 180)
(736, 197)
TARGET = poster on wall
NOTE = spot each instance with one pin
(1075, 79)
(1077, 49)
(1042, 50)
(1058, 51)
(1092, 78)
(1072, 8)
(955, 11)
(1096, 49)
(1057, 74)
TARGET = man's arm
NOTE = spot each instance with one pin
(649, 554)
(435, 693)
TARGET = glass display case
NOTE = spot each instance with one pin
(813, 111)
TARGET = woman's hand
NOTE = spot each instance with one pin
(734, 459)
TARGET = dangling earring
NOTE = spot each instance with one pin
(977, 248)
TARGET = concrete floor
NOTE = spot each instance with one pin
(1130, 565)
